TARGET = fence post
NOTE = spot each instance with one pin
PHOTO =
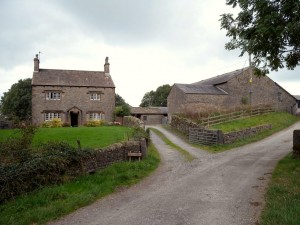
(220, 137)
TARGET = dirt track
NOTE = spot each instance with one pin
(217, 189)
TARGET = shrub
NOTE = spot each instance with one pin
(56, 122)
(95, 123)
(139, 133)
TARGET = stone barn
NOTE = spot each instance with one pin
(73, 96)
(230, 90)
(298, 104)
(151, 115)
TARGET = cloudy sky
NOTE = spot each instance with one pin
(149, 42)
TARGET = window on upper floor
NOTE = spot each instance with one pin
(95, 96)
(51, 115)
(53, 96)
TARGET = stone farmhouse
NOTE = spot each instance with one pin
(73, 96)
(230, 90)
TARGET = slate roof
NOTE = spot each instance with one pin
(201, 89)
(149, 110)
(297, 97)
(77, 78)
(220, 79)
(209, 86)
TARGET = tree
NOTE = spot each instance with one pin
(156, 98)
(122, 108)
(266, 29)
(16, 103)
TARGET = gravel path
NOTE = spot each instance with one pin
(218, 189)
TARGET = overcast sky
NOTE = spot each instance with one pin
(149, 42)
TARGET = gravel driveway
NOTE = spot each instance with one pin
(214, 189)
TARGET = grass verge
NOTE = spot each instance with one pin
(185, 153)
(51, 203)
(90, 137)
(278, 120)
(283, 194)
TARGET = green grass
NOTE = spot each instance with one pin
(91, 137)
(185, 153)
(53, 202)
(278, 120)
(283, 194)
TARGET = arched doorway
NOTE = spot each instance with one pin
(74, 115)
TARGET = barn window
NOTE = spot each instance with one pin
(145, 118)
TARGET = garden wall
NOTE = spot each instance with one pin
(183, 124)
(231, 137)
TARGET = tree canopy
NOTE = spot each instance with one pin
(268, 30)
(156, 98)
(16, 103)
(122, 107)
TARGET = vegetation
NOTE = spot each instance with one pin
(189, 157)
(156, 98)
(90, 137)
(53, 202)
(278, 120)
(122, 107)
(269, 30)
(16, 103)
(283, 194)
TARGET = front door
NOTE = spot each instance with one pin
(74, 119)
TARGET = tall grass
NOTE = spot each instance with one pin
(283, 194)
(51, 203)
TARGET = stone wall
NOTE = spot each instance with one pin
(231, 137)
(114, 153)
(131, 121)
(183, 124)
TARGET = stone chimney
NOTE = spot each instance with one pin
(106, 67)
(36, 63)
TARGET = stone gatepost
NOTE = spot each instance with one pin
(296, 143)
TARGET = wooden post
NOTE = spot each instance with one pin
(296, 143)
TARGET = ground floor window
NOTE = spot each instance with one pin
(96, 116)
(50, 116)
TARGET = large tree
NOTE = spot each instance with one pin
(156, 98)
(268, 30)
(122, 107)
(16, 103)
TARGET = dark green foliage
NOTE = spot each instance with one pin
(156, 98)
(122, 108)
(269, 30)
(16, 149)
(16, 103)
(50, 165)
(138, 133)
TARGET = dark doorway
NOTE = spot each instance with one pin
(74, 119)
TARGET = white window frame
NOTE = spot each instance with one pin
(51, 115)
(96, 116)
(95, 96)
(53, 95)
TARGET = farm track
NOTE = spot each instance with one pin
(221, 189)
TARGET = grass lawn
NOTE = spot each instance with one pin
(278, 120)
(283, 194)
(90, 137)
(51, 203)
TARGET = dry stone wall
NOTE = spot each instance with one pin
(296, 143)
(231, 137)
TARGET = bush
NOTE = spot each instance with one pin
(56, 122)
(95, 123)
(54, 163)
